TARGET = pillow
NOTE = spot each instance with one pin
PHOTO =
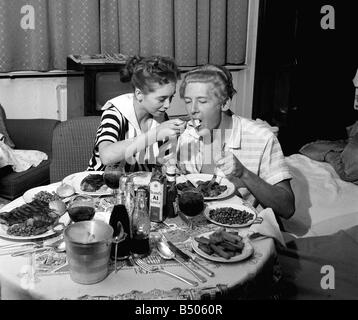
(350, 158)
(318, 150)
(3, 128)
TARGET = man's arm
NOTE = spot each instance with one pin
(279, 197)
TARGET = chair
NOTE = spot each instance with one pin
(72, 146)
(28, 134)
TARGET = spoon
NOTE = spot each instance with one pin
(165, 252)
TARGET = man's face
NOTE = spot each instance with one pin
(204, 106)
(158, 101)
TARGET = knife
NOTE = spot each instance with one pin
(187, 258)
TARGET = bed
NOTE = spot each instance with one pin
(325, 203)
(321, 236)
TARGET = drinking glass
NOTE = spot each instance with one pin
(191, 204)
(81, 208)
(111, 176)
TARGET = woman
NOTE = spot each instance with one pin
(132, 124)
(247, 153)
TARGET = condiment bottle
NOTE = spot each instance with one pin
(122, 182)
(171, 192)
(129, 200)
(119, 220)
(140, 225)
(157, 196)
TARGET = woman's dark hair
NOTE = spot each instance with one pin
(219, 76)
(145, 72)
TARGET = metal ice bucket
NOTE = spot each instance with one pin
(88, 246)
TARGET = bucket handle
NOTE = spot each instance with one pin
(116, 240)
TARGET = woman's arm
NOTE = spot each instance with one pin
(112, 152)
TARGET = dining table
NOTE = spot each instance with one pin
(46, 274)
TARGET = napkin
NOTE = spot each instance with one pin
(20, 160)
(266, 225)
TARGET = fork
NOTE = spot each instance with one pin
(215, 174)
(149, 268)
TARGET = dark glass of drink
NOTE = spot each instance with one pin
(112, 174)
(191, 204)
(81, 208)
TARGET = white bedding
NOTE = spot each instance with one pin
(324, 202)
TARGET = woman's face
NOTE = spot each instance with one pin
(158, 101)
(204, 106)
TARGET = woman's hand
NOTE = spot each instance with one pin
(169, 128)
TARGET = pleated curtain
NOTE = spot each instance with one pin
(194, 32)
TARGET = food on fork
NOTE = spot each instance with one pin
(190, 121)
(92, 183)
(221, 243)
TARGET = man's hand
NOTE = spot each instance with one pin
(230, 166)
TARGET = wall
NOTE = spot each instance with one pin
(47, 97)
(28, 98)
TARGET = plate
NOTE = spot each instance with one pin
(246, 252)
(65, 219)
(28, 196)
(236, 206)
(194, 177)
(76, 179)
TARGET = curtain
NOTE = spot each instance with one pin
(193, 31)
(40, 34)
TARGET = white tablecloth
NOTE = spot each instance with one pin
(128, 282)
